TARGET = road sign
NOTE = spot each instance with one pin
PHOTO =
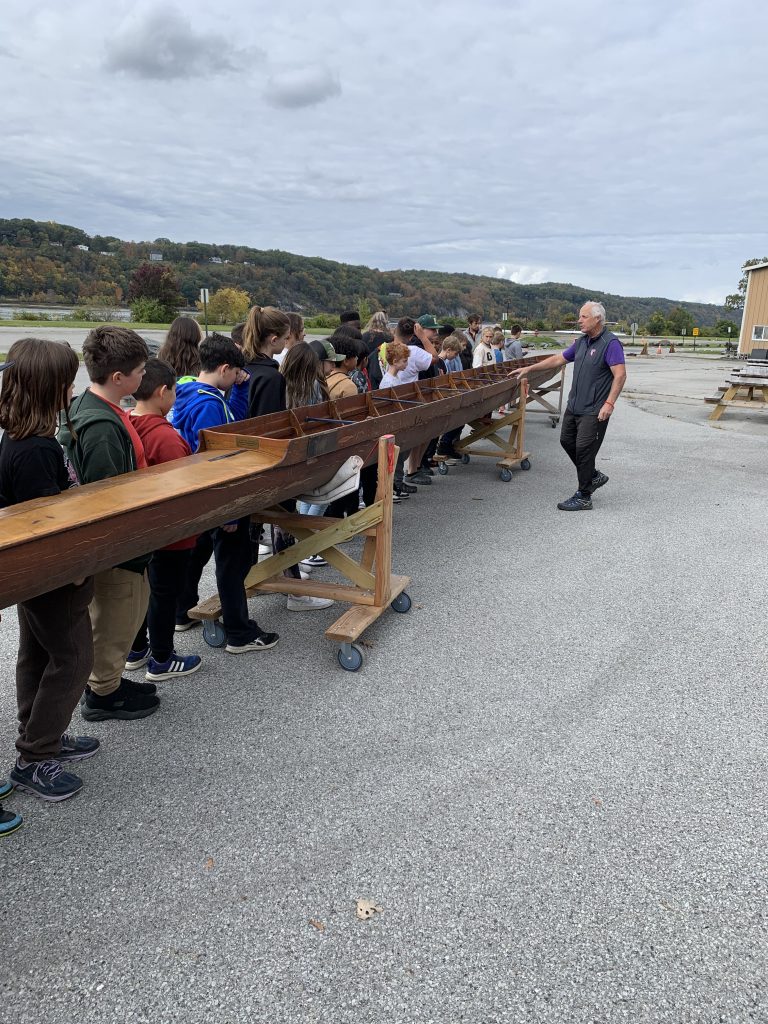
(633, 328)
(203, 294)
(695, 332)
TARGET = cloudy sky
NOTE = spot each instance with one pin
(615, 146)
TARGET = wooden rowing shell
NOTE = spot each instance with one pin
(240, 468)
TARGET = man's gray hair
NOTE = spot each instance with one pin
(598, 310)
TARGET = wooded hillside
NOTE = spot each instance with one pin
(46, 262)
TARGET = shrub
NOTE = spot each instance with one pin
(150, 311)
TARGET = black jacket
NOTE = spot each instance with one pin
(266, 388)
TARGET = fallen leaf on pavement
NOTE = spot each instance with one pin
(317, 924)
(366, 909)
(597, 801)
(209, 862)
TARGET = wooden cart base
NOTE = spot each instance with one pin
(486, 432)
(541, 396)
(372, 587)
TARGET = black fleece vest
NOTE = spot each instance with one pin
(592, 378)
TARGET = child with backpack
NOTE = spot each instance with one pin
(101, 442)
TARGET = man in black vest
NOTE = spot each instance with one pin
(599, 375)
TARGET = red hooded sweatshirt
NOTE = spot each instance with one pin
(162, 444)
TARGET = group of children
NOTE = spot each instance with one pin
(77, 643)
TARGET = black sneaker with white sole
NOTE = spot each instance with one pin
(577, 503)
(599, 480)
(261, 642)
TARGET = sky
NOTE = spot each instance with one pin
(619, 147)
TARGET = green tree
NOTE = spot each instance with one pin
(678, 319)
(736, 301)
(720, 329)
(151, 311)
(227, 306)
(657, 323)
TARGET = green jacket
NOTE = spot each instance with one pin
(103, 449)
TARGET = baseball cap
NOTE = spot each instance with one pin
(429, 322)
(4, 366)
(325, 350)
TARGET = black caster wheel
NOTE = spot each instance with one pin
(506, 475)
(554, 424)
(525, 464)
(402, 603)
(213, 633)
(442, 469)
(465, 460)
(350, 657)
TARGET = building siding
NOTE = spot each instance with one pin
(755, 311)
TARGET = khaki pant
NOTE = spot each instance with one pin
(120, 599)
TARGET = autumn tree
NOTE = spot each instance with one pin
(154, 291)
(227, 306)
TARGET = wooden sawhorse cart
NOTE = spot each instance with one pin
(373, 586)
(541, 396)
(486, 431)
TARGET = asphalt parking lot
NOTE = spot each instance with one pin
(549, 776)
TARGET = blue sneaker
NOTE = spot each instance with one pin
(578, 503)
(6, 788)
(78, 748)
(177, 665)
(136, 660)
(9, 822)
(46, 779)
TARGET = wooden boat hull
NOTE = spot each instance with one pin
(241, 468)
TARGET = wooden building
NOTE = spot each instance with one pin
(753, 338)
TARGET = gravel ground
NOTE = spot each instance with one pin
(549, 775)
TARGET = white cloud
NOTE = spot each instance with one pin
(523, 274)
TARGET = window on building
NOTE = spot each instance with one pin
(760, 334)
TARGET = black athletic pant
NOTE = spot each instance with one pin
(167, 571)
(581, 436)
(232, 556)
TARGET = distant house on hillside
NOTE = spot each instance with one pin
(754, 322)
(106, 253)
(57, 245)
(215, 259)
(83, 248)
(155, 257)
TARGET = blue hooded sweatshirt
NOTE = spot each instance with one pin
(198, 406)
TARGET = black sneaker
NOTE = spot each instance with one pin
(46, 779)
(124, 704)
(9, 822)
(408, 488)
(78, 748)
(599, 480)
(262, 642)
(578, 503)
(419, 478)
(396, 499)
(134, 686)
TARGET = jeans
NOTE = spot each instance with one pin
(581, 437)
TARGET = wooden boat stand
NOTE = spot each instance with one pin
(539, 395)
(487, 430)
(373, 586)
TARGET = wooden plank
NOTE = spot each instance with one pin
(353, 623)
(388, 452)
(335, 591)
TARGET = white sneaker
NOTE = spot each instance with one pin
(313, 562)
(265, 549)
(304, 603)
